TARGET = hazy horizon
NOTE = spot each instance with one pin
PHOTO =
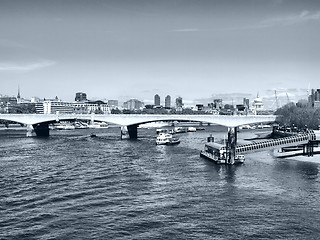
(136, 49)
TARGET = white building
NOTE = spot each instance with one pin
(257, 105)
(57, 106)
(53, 107)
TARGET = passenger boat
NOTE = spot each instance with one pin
(217, 153)
(166, 139)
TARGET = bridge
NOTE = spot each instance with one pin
(39, 123)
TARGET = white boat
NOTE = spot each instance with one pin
(191, 129)
(98, 125)
(247, 126)
(166, 139)
(64, 126)
(217, 153)
(80, 125)
(153, 125)
(180, 129)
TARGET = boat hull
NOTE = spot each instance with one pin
(174, 142)
(237, 160)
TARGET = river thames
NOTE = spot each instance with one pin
(73, 186)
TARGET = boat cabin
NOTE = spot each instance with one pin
(216, 149)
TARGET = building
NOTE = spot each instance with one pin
(53, 106)
(98, 107)
(257, 105)
(217, 104)
(179, 103)
(80, 97)
(7, 104)
(113, 104)
(156, 100)
(133, 104)
(167, 102)
(246, 103)
(199, 107)
(314, 98)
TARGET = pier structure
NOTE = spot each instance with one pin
(305, 142)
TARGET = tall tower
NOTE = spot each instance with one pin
(156, 100)
(179, 103)
(167, 103)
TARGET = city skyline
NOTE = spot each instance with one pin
(135, 49)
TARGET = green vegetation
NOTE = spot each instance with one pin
(299, 115)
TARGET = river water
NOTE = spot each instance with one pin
(73, 186)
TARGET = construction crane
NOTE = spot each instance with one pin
(288, 99)
(277, 100)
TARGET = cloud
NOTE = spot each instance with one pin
(304, 16)
(25, 67)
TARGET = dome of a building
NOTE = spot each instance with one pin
(257, 100)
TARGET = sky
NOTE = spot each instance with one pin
(196, 49)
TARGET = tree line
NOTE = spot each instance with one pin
(299, 115)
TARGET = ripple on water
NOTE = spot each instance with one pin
(77, 187)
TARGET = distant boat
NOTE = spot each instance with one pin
(167, 139)
(93, 135)
(180, 129)
(80, 125)
(62, 126)
(247, 126)
(191, 129)
(161, 130)
(98, 125)
(153, 125)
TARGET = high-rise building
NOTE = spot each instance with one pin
(179, 103)
(167, 103)
(314, 98)
(246, 103)
(80, 96)
(156, 100)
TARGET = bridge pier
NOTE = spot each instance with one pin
(130, 132)
(231, 145)
(41, 129)
(30, 131)
(133, 131)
